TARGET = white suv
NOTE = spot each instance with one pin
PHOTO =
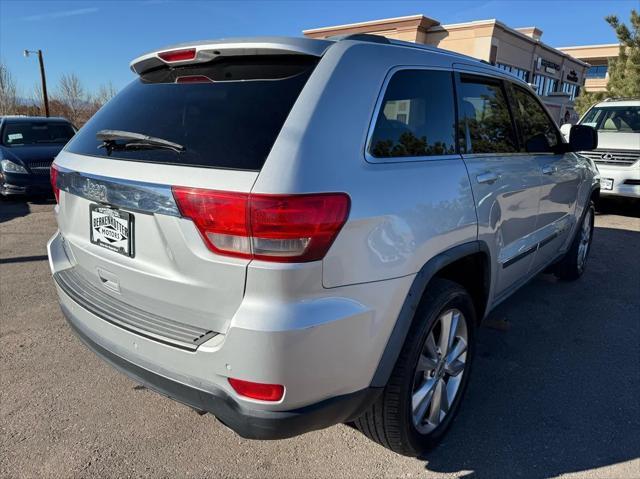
(618, 153)
(291, 233)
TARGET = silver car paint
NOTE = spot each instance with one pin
(319, 328)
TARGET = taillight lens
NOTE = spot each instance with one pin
(53, 174)
(281, 228)
(178, 55)
(263, 392)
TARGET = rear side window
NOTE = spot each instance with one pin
(417, 116)
(225, 114)
(485, 122)
(537, 130)
(36, 133)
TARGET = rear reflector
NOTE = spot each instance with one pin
(281, 228)
(53, 173)
(178, 55)
(263, 392)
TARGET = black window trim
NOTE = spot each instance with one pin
(503, 82)
(369, 158)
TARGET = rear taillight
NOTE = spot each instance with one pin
(263, 392)
(178, 55)
(282, 228)
(53, 173)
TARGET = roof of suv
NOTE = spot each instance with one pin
(209, 49)
(615, 102)
(25, 119)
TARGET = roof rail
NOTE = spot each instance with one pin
(361, 37)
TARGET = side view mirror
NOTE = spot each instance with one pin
(565, 130)
(583, 138)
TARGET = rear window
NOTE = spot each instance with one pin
(226, 113)
(36, 133)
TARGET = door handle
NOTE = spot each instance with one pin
(549, 170)
(489, 177)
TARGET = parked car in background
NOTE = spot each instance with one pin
(28, 145)
(291, 233)
(618, 152)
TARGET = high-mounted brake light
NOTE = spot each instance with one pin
(194, 79)
(53, 174)
(281, 228)
(178, 55)
(263, 392)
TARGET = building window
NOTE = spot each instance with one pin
(599, 71)
(518, 72)
(544, 84)
(571, 89)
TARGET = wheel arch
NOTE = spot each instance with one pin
(452, 264)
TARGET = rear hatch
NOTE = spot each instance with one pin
(209, 124)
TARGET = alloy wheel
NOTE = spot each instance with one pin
(585, 240)
(439, 370)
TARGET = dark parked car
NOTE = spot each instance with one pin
(28, 145)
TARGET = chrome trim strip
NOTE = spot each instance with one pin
(531, 249)
(136, 196)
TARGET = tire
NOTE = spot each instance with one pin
(390, 420)
(573, 264)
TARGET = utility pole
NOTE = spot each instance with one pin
(45, 97)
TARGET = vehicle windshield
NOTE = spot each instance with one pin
(36, 133)
(223, 114)
(624, 119)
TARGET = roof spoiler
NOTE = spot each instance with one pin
(202, 52)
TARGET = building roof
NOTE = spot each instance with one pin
(514, 31)
(408, 20)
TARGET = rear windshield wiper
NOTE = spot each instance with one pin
(134, 140)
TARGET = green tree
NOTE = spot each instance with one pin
(624, 71)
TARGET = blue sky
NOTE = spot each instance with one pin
(97, 40)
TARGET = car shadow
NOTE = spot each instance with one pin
(557, 390)
(619, 206)
(17, 207)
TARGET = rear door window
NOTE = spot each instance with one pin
(226, 114)
(485, 122)
(416, 117)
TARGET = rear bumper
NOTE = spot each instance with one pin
(323, 350)
(248, 423)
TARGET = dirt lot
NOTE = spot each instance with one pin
(554, 393)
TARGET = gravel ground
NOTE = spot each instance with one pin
(554, 392)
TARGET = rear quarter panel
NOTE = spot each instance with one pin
(402, 213)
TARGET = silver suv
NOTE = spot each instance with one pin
(292, 233)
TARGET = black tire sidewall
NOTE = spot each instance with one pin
(453, 297)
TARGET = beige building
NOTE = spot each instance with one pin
(517, 50)
(598, 57)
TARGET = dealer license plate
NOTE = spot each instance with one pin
(112, 229)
